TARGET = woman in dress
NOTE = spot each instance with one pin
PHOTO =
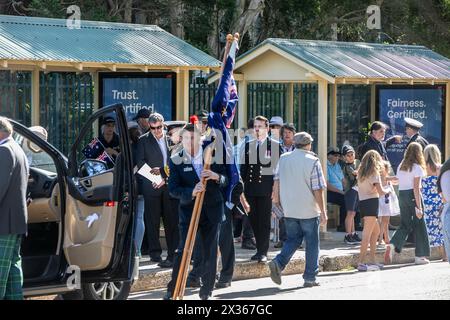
(432, 199)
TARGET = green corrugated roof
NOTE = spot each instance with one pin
(365, 60)
(43, 39)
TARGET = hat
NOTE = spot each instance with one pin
(302, 138)
(174, 124)
(142, 113)
(413, 123)
(276, 121)
(40, 132)
(109, 119)
(333, 150)
(132, 124)
(347, 149)
(203, 115)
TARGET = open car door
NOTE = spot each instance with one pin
(98, 221)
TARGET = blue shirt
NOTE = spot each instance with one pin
(335, 175)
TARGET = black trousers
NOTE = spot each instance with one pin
(155, 209)
(242, 226)
(260, 213)
(208, 237)
(338, 199)
(226, 247)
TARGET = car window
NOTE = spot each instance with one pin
(37, 158)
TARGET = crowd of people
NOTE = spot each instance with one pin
(277, 170)
(274, 162)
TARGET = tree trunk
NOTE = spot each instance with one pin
(128, 11)
(247, 17)
(176, 12)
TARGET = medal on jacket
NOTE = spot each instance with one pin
(166, 170)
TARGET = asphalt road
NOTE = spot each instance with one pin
(394, 282)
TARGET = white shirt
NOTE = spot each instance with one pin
(163, 147)
(406, 179)
(3, 141)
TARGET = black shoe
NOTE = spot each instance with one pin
(340, 229)
(308, 284)
(193, 283)
(155, 259)
(278, 245)
(222, 284)
(262, 259)
(348, 239)
(165, 264)
(356, 237)
(248, 245)
(205, 296)
(168, 296)
(255, 257)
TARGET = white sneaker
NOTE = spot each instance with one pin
(421, 260)
(389, 254)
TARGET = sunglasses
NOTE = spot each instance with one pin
(156, 128)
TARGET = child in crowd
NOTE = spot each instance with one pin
(389, 206)
(350, 170)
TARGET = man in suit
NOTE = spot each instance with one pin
(412, 128)
(13, 212)
(260, 158)
(186, 171)
(152, 149)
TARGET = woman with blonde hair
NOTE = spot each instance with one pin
(432, 200)
(369, 191)
(410, 174)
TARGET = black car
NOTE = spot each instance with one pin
(80, 219)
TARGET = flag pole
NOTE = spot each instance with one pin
(180, 284)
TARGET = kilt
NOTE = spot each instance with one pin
(11, 277)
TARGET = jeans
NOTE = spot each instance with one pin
(446, 228)
(297, 230)
(139, 224)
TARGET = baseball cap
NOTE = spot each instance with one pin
(276, 121)
(109, 119)
(333, 150)
(346, 149)
(142, 113)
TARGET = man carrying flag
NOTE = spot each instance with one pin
(188, 169)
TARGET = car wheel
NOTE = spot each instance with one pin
(118, 290)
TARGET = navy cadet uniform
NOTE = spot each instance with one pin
(257, 169)
(416, 125)
(182, 180)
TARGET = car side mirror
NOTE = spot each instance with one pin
(91, 167)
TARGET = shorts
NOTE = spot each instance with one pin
(369, 207)
(351, 200)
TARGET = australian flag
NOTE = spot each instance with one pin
(96, 150)
(221, 116)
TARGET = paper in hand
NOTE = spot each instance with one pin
(145, 172)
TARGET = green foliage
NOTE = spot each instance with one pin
(424, 22)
